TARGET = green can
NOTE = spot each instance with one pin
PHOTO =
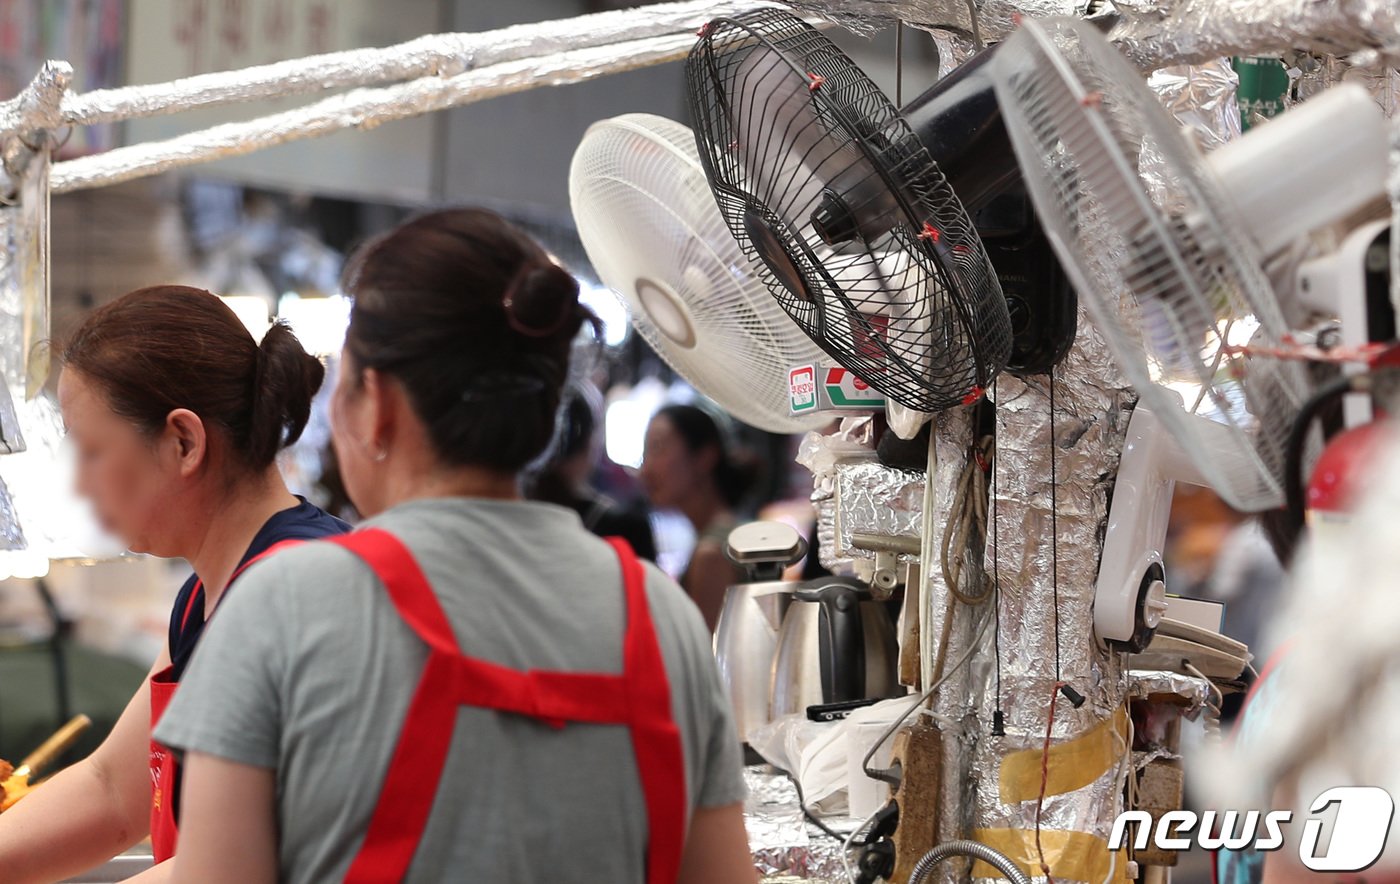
(1263, 86)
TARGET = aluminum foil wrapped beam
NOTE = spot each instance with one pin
(35, 109)
(1157, 33)
(1092, 405)
(1154, 33)
(365, 109)
(438, 55)
(995, 18)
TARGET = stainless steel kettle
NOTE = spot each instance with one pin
(837, 644)
(746, 636)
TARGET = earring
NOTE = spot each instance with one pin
(377, 456)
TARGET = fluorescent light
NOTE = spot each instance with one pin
(251, 311)
(319, 323)
(609, 309)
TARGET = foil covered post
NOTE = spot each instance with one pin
(24, 224)
(990, 791)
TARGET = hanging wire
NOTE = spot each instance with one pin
(899, 64)
(976, 25)
(890, 775)
(1054, 528)
(998, 715)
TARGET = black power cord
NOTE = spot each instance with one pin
(1293, 478)
(811, 817)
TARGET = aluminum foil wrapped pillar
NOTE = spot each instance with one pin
(24, 269)
(991, 784)
(24, 283)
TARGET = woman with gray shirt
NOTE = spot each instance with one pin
(471, 687)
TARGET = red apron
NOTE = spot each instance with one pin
(639, 698)
(162, 761)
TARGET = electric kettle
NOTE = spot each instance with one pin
(837, 645)
(746, 636)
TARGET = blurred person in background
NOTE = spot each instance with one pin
(687, 467)
(565, 479)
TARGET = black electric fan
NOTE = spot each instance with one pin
(867, 219)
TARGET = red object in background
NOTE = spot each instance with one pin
(1343, 468)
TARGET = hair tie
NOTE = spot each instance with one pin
(529, 294)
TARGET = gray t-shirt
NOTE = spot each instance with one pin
(308, 669)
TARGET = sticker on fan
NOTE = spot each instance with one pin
(802, 387)
(845, 390)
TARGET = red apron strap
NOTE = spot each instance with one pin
(656, 741)
(199, 584)
(411, 781)
(639, 698)
(409, 590)
(189, 603)
(162, 762)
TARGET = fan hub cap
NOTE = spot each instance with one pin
(666, 309)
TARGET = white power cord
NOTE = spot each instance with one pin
(948, 673)
(850, 839)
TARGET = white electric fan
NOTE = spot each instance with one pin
(655, 236)
(1167, 254)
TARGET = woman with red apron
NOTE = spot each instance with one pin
(472, 687)
(302, 522)
(176, 415)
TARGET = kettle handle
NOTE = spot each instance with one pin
(842, 634)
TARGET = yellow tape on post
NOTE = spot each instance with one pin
(1072, 856)
(1072, 764)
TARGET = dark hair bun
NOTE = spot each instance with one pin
(476, 321)
(157, 349)
(286, 381)
(541, 300)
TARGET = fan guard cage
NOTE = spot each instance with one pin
(651, 230)
(1160, 269)
(916, 310)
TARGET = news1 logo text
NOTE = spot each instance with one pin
(1359, 830)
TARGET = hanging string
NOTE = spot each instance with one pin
(1054, 528)
(1045, 780)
